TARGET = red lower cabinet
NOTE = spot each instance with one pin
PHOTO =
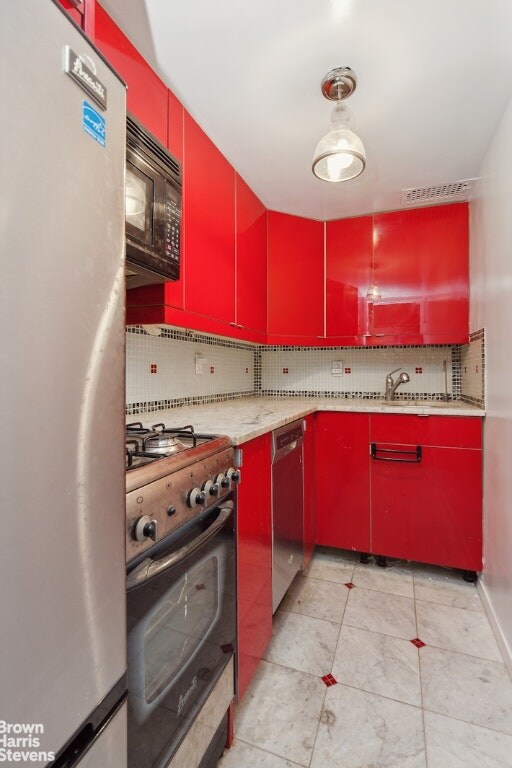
(309, 470)
(426, 490)
(254, 559)
(403, 486)
(342, 475)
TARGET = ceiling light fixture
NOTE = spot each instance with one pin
(340, 155)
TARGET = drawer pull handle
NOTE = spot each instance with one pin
(414, 456)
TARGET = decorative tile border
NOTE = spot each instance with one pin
(132, 409)
(353, 371)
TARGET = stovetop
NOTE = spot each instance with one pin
(173, 474)
(146, 445)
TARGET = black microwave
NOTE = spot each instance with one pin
(153, 209)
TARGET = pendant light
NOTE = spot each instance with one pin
(340, 154)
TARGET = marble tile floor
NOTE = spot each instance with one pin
(343, 686)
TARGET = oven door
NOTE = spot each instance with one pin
(181, 632)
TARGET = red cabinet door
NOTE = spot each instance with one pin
(209, 227)
(295, 279)
(342, 495)
(309, 469)
(421, 271)
(251, 259)
(147, 94)
(427, 506)
(348, 263)
(254, 559)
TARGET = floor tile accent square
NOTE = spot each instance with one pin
(302, 642)
(388, 666)
(329, 680)
(418, 643)
(380, 612)
(360, 729)
(474, 690)
(279, 712)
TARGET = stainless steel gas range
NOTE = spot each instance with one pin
(180, 549)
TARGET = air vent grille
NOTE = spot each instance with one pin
(139, 138)
(438, 193)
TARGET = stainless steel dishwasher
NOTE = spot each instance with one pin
(287, 508)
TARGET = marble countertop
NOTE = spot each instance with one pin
(245, 418)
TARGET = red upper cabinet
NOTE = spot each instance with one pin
(348, 264)
(175, 126)
(422, 275)
(147, 96)
(295, 279)
(209, 227)
(251, 259)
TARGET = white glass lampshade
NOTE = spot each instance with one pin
(340, 155)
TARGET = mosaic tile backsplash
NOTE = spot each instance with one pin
(472, 370)
(167, 367)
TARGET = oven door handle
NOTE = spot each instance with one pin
(149, 568)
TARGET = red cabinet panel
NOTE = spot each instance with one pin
(431, 510)
(421, 270)
(348, 260)
(309, 466)
(343, 481)
(175, 126)
(254, 559)
(209, 227)
(445, 431)
(251, 259)
(295, 279)
(147, 95)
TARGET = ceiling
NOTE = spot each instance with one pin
(434, 77)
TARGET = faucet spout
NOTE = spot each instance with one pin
(392, 386)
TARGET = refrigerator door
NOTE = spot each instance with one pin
(62, 559)
(110, 749)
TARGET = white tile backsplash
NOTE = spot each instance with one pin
(364, 370)
(161, 369)
(175, 361)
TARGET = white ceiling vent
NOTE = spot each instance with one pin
(438, 193)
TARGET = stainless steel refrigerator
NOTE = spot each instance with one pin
(62, 587)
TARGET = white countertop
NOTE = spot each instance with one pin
(245, 418)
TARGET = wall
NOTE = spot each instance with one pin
(491, 302)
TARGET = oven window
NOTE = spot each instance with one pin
(138, 195)
(179, 626)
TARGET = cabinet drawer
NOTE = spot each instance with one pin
(411, 429)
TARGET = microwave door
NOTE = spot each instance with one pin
(140, 195)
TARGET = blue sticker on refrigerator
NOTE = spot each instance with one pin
(93, 123)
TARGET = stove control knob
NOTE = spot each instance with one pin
(222, 481)
(210, 488)
(145, 528)
(196, 497)
(233, 475)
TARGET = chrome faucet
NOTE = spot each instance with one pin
(391, 386)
